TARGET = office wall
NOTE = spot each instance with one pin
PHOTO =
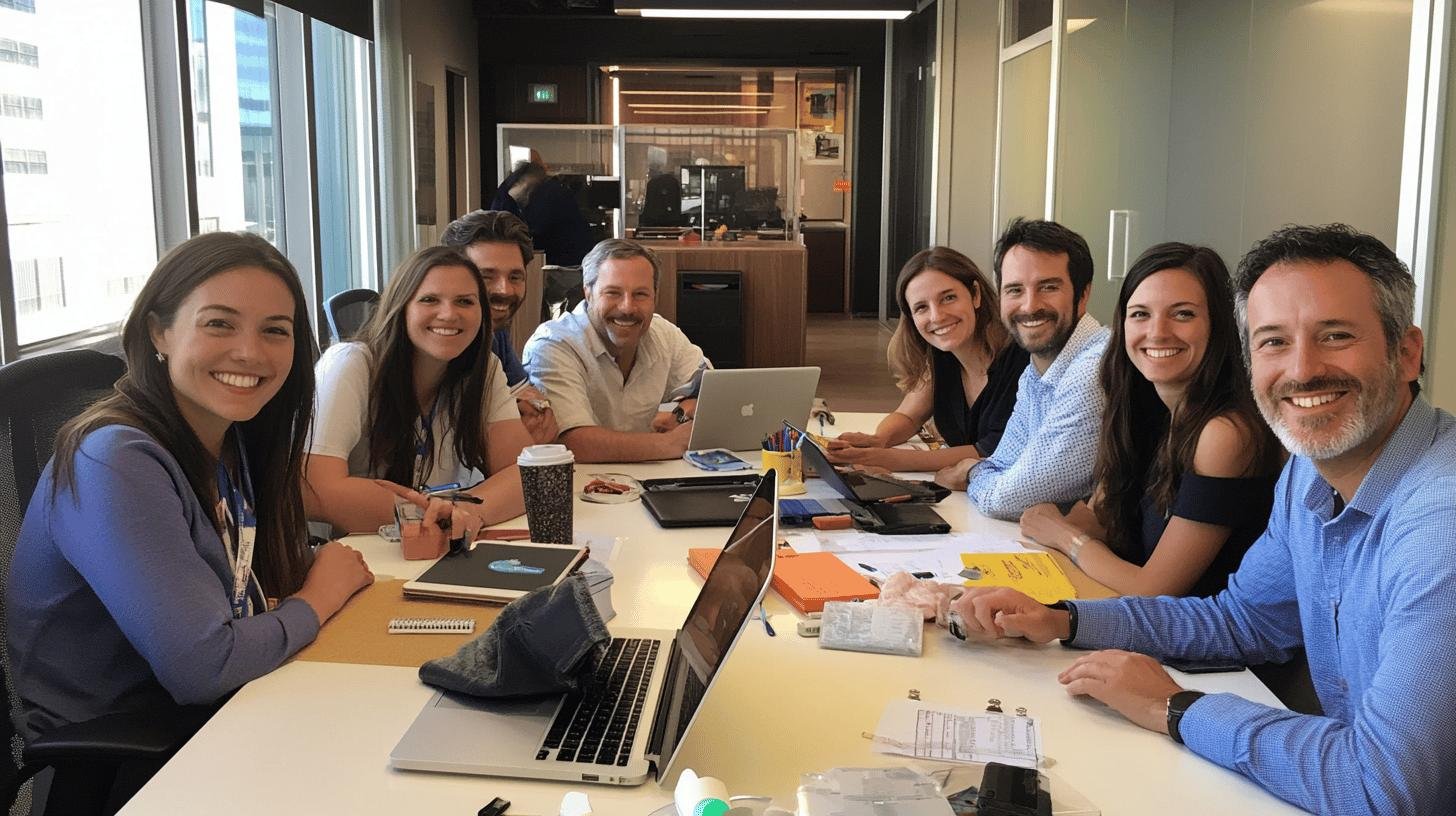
(1285, 111)
(968, 128)
(445, 38)
(1441, 328)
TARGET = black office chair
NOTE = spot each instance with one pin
(348, 311)
(560, 290)
(38, 396)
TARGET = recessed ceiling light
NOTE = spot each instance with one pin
(769, 10)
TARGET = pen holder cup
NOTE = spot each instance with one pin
(788, 464)
(419, 541)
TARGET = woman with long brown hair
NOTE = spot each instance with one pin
(1186, 468)
(953, 360)
(170, 518)
(418, 401)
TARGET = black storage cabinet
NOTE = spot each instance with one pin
(710, 313)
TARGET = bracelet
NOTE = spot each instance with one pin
(1078, 541)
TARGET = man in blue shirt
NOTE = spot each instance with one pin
(499, 244)
(1044, 272)
(1357, 566)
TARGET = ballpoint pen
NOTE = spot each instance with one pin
(763, 616)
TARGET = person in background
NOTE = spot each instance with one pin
(610, 365)
(1049, 447)
(1185, 468)
(418, 401)
(954, 361)
(1356, 566)
(499, 244)
(164, 557)
(557, 226)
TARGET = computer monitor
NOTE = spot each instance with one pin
(709, 190)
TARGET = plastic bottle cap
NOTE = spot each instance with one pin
(711, 807)
(545, 455)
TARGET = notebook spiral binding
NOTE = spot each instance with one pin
(431, 626)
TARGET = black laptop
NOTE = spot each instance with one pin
(700, 501)
(877, 503)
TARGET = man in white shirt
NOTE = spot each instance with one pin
(609, 364)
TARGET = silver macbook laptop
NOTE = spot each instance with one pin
(738, 407)
(644, 695)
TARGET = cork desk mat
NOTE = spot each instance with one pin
(359, 633)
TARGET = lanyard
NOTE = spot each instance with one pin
(240, 527)
(425, 443)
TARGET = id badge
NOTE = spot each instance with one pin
(243, 569)
(715, 459)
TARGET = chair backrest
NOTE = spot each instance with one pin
(37, 396)
(348, 311)
(560, 290)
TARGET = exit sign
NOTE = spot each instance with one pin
(542, 93)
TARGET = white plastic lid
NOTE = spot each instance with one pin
(540, 455)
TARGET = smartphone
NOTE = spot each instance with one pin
(715, 459)
(1188, 667)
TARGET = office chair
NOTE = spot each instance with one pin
(37, 396)
(560, 290)
(348, 311)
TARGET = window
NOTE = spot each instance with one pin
(30, 162)
(79, 207)
(20, 107)
(19, 5)
(345, 142)
(234, 112)
(19, 53)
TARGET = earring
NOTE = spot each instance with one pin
(161, 358)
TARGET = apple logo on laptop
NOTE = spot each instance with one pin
(746, 410)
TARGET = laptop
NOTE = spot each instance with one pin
(698, 501)
(738, 407)
(877, 503)
(648, 687)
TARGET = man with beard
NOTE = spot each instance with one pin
(610, 363)
(499, 244)
(1046, 454)
(1357, 565)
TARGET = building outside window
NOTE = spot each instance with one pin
(79, 206)
(344, 136)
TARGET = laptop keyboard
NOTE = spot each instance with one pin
(599, 723)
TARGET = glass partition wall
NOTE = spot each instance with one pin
(665, 180)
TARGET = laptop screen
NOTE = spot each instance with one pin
(729, 595)
(852, 484)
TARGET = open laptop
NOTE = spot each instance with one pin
(738, 407)
(649, 687)
(886, 503)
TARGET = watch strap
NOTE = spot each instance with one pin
(1071, 610)
(1178, 704)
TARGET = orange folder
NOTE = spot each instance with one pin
(806, 581)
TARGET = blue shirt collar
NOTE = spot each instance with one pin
(1412, 437)
(1086, 331)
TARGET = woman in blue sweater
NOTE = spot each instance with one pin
(163, 558)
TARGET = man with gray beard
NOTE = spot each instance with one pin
(1357, 566)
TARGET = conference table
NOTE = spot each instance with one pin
(315, 737)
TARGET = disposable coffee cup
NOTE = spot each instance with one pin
(546, 472)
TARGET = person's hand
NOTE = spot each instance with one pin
(678, 437)
(1044, 524)
(1134, 685)
(956, 476)
(664, 422)
(458, 521)
(540, 424)
(852, 439)
(878, 457)
(988, 613)
(872, 470)
(338, 571)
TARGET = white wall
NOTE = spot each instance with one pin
(435, 36)
(968, 128)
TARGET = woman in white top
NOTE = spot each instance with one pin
(419, 400)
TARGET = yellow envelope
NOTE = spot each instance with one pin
(1036, 574)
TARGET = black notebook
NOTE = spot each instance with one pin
(497, 571)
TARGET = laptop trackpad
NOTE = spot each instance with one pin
(465, 727)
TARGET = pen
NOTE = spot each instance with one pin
(763, 616)
(459, 496)
(440, 488)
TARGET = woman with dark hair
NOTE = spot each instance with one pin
(164, 554)
(1185, 469)
(953, 360)
(418, 401)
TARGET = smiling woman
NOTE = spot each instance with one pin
(419, 400)
(170, 522)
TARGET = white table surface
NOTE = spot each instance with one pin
(316, 737)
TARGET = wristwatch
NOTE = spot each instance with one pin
(679, 414)
(1071, 611)
(1178, 704)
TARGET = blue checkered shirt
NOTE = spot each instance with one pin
(1371, 595)
(1050, 443)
